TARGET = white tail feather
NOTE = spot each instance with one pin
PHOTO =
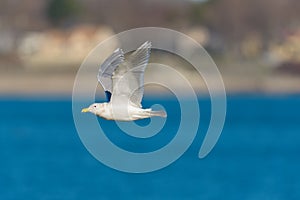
(160, 113)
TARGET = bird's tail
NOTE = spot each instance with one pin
(160, 113)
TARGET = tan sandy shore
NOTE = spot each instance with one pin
(62, 84)
(32, 84)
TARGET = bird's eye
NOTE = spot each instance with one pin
(95, 106)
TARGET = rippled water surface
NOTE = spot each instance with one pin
(257, 156)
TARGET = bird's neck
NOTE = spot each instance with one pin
(105, 111)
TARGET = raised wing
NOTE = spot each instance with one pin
(128, 78)
(106, 71)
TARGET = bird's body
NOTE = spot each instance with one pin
(131, 113)
(123, 83)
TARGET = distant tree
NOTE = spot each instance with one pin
(60, 11)
(237, 20)
(198, 11)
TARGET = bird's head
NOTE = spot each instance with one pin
(95, 108)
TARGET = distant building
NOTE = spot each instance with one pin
(57, 48)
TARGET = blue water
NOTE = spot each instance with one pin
(257, 156)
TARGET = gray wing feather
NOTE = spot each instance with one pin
(128, 79)
(108, 67)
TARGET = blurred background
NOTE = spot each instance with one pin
(256, 46)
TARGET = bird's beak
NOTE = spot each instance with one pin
(85, 110)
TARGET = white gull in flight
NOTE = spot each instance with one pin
(123, 82)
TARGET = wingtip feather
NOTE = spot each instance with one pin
(146, 44)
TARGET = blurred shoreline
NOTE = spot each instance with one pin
(40, 54)
(61, 84)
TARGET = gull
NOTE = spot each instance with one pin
(123, 83)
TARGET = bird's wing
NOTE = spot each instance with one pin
(106, 71)
(128, 78)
